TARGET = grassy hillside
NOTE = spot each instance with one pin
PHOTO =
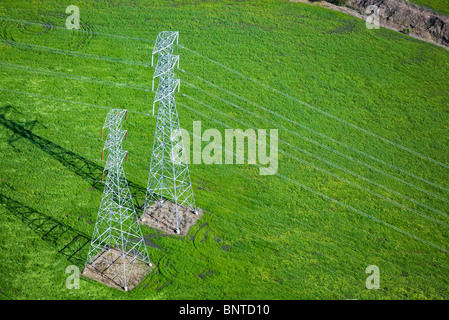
(440, 6)
(363, 127)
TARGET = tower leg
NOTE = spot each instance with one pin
(177, 217)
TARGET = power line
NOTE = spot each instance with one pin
(311, 140)
(245, 177)
(319, 134)
(147, 89)
(335, 175)
(321, 111)
(291, 98)
(78, 54)
(303, 223)
(68, 101)
(309, 189)
(311, 154)
(360, 212)
(72, 76)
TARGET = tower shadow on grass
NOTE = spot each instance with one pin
(69, 242)
(86, 169)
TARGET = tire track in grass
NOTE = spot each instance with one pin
(330, 173)
(300, 185)
(11, 29)
(360, 212)
(354, 248)
(301, 150)
(200, 241)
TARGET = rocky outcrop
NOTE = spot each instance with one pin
(409, 18)
(405, 17)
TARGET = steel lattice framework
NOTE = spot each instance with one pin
(117, 240)
(169, 177)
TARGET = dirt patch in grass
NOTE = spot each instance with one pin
(163, 217)
(107, 268)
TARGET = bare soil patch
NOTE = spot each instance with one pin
(107, 268)
(163, 217)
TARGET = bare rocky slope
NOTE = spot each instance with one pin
(409, 18)
(399, 15)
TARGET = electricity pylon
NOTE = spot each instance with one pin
(169, 177)
(117, 240)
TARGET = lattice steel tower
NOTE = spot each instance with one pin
(117, 242)
(169, 177)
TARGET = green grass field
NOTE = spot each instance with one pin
(363, 126)
(440, 6)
